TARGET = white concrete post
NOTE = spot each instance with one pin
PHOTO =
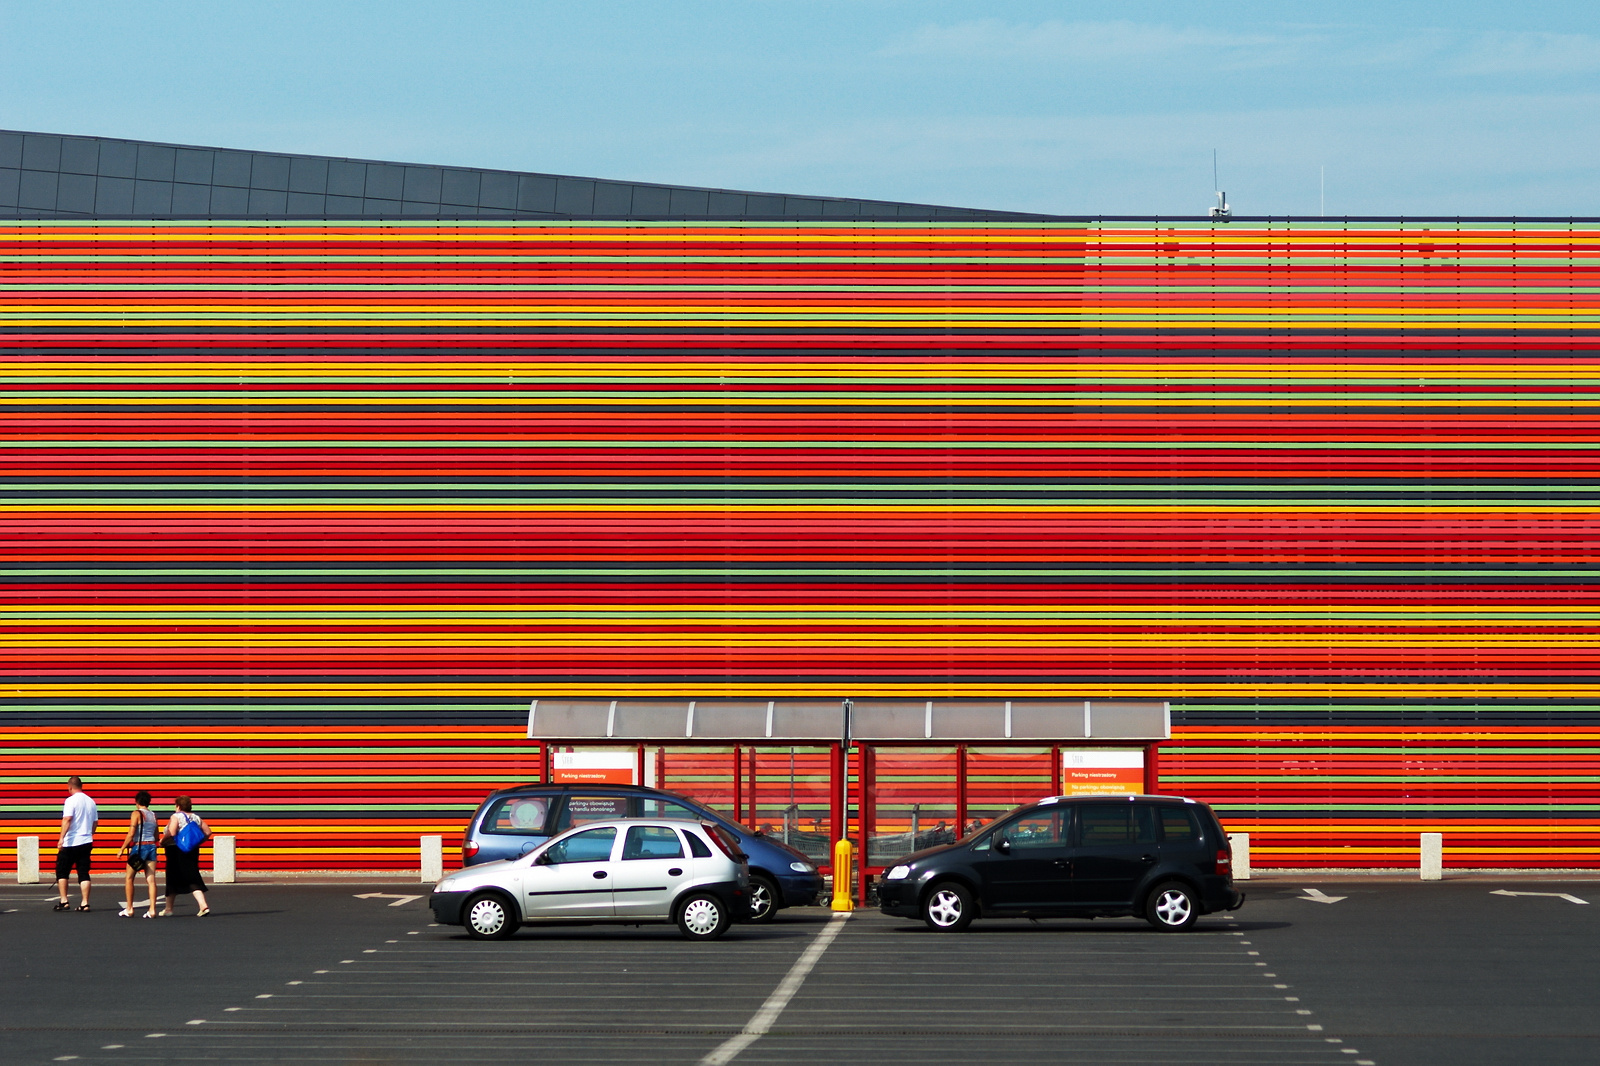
(27, 860)
(1432, 861)
(223, 865)
(1241, 855)
(432, 859)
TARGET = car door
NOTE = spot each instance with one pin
(1116, 848)
(572, 877)
(653, 867)
(1026, 864)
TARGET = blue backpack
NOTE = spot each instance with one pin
(190, 836)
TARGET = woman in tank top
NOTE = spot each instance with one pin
(140, 848)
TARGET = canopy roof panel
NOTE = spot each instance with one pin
(871, 720)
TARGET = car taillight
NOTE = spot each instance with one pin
(469, 849)
(1224, 861)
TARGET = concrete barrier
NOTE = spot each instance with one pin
(1241, 855)
(1432, 857)
(224, 867)
(27, 860)
(432, 859)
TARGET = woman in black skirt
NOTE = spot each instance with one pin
(183, 867)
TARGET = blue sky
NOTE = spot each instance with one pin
(1411, 106)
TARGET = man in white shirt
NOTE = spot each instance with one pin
(79, 816)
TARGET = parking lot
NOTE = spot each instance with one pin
(1389, 973)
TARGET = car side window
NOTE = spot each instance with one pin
(1039, 829)
(652, 842)
(653, 807)
(1144, 823)
(591, 845)
(518, 816)
(582, 808)
(697, 847)
(1177, 823)
(1104, 824)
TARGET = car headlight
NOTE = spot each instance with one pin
(446, 885)
(899, 873)
(801, 867)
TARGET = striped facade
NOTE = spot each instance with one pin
(298, 517)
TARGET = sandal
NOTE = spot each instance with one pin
(124, 913)
(203, 913)
(61, 906)
(148, 914)
(84, 907)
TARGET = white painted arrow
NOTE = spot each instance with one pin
(1316, 895)
(1557, 895)
(399, 901)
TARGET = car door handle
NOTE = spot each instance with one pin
(1065, 864)
(599, 875)
(1147, 858)
(676, 871)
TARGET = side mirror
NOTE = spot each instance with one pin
(1003, 846)
(544, 859)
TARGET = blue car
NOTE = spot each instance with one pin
(513, 821)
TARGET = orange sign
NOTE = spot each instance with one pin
(596, 768)
(1102, 771)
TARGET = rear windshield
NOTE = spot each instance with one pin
(518, 815)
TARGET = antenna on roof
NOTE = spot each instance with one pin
(1221, 212)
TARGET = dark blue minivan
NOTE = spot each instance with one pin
(513, 821)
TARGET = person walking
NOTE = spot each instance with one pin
(79, 816)
(140, 848)
(186, 831)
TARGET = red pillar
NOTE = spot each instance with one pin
(661, 767)
(638, 765)
(961, 791)
(1056, 775)
(1152, 770)
(547, 776)
(738, 784)
(866, 808)
(752, 796)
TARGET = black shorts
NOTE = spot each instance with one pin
(75, 857)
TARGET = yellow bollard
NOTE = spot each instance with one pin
(843, 874)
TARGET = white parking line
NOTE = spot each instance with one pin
(763, 1019)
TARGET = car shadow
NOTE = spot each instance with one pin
(1067, 926)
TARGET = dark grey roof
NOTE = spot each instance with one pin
(44, 175)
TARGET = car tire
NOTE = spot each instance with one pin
(763, 898)
(947, 907)
(489, 916)
(1171, 907)
(702, 916)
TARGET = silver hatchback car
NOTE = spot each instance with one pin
(664, 870)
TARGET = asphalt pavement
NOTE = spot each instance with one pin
(1353, 970)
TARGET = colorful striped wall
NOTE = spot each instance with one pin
(1297, 478)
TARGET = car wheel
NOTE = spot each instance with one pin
(488, 916)
(763, 899)
(1171, 907)
(948, 908)
(702, 917)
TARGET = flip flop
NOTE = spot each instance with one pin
(124, 913)
(203, 913)
(149, 914)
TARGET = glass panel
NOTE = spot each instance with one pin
(1177, 823)
(1104, 824)
(913, 802)
(1040, 829)
(1002, 779)
(519, 815)
(652, 842)
(591, 845)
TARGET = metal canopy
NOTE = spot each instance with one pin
(793, 721)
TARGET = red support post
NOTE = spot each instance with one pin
(867, 808)
(638, 765)
(1152, 770)
(548, 778)
(1056, 774)
(751, 795)
(661, 767)
(738, 784)
(961, 792)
